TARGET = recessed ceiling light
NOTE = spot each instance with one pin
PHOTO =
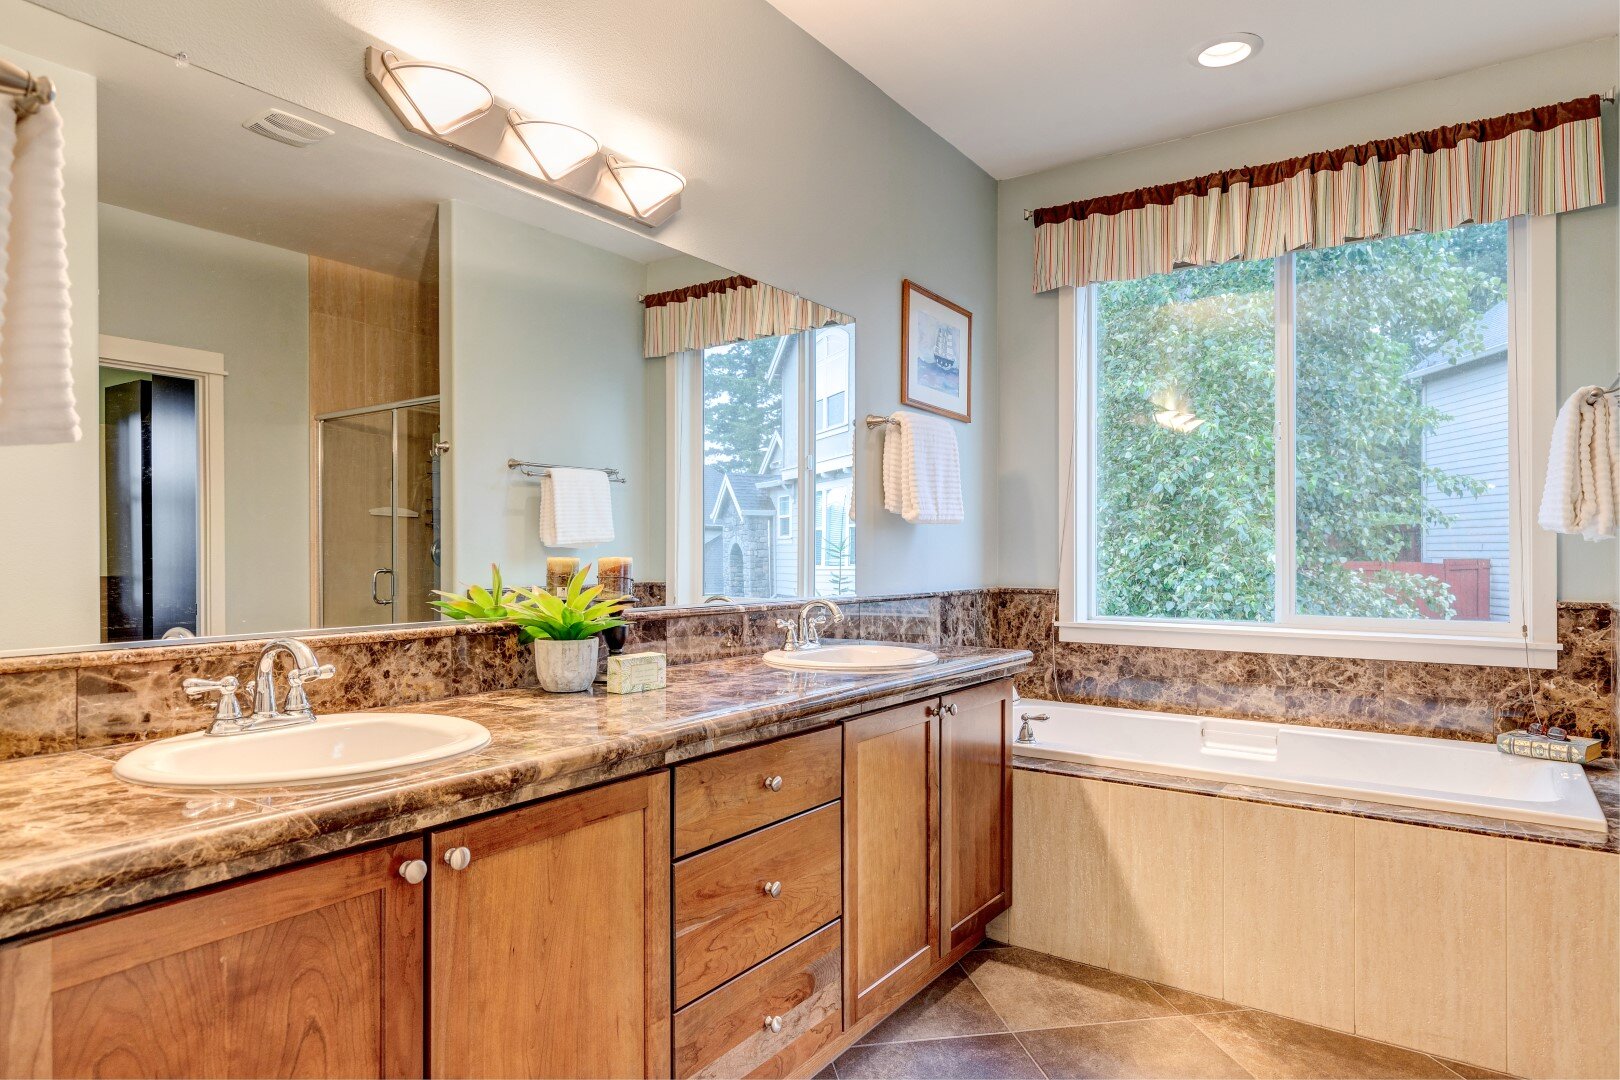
(1226, 51)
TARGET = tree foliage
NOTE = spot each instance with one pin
(742, 409)
(1186, 519)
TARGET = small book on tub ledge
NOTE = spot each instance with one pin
(1548, 748)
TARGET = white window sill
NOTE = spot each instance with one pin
(1425, 648)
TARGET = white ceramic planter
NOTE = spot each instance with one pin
(566, 667)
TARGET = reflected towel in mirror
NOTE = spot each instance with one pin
(576, 508)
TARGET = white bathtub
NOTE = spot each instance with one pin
(1436, 774)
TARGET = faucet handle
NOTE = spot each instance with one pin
(228, 708)
(792, 629)
(297, 699)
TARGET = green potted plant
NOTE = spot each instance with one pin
(566, 630)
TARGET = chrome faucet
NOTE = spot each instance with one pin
(810, 625)
(268, 714)
(1026, 734)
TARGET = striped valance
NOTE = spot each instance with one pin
(1541, 161)
(730, 309)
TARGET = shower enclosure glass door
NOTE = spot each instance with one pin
(379, 522)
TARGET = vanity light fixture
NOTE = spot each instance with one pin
(558, 149)
(443, 98)
(456, 110)
(648, 187)
(1228, 50)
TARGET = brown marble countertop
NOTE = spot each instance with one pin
(1603, 774)
(75, 841)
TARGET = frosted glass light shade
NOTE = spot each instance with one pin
(648, 187)
(558, 149)
(443, 98)
(1230, 50)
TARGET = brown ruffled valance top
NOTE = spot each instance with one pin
(1446, 138)
(693, 292)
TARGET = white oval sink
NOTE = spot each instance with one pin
(336, 747)
(852, 656)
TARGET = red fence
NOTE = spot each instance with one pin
(1470, 581)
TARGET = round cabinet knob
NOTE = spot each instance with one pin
(773, 783)
(950, 707)
(773, 889)
(414, 872)
(773, 1024)
(458, 858)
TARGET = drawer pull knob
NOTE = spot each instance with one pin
(773, 783)
(773, 889)
(414, 872)
(458, 858)
(932, 710)
(773, 1024)
(950, 707)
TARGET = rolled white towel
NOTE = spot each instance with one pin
(1579, 495)
(36, 358)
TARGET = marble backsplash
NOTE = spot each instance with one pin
(68, 701)
(1454, 701)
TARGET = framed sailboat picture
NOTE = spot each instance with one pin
(936, 353)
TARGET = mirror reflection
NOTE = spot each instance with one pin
(336, 371)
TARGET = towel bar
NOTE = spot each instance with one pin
(540, 468)
(873, 420)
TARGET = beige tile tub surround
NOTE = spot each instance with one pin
(1389, 931)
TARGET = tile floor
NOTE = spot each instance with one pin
(1008, 1012)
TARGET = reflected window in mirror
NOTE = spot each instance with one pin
(778, 464)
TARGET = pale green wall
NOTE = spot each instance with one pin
(1587, 260)
(179, 285)
(542, 362)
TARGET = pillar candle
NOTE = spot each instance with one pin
(559, 571)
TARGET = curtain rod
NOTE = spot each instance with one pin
(1607, 96)
(31, 91)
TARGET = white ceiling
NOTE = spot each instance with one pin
(1023, 85)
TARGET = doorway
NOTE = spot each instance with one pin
(379, 496)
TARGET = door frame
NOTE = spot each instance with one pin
(207, 370)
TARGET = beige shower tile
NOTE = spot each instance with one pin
(1288, 922)
(1572, 960)
(1431, 953)
(1164, 902)
(1061, 870)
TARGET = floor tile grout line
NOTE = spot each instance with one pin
(997, 1012)
(1444, 1066)
(1038, 1066)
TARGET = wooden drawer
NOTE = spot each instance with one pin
(727, 1033)
(728, 795)
(725, 919)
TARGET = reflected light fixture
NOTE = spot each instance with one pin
(558, 149)
(444, 98)
(1228, 50)
(648, 187)
(1174, 412)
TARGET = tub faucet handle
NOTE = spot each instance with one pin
(1026, 734)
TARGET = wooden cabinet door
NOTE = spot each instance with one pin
(551, 947)
(975, 811)
(891, 855)
(315, 971)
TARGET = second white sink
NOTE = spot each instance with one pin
(336, 747)
(852, 656)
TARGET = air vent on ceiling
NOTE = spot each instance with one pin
(284, 127)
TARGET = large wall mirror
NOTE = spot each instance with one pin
(319, 350)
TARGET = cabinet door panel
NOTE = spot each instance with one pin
(891, 855)
(551, 949)
(314, 971)
(976, 811)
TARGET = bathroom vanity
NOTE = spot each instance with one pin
(739, 875)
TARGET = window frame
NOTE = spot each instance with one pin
(1527, 638)
(784, 517)
(683, 515)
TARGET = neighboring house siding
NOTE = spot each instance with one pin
(1472, 442)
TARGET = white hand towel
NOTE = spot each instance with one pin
(36, 359)
(922, 473)
(1580, 491)
(576, 508)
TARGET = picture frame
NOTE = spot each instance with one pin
(936, 353)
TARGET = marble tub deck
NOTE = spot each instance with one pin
(76, 842)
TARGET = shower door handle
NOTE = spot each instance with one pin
(375, 574)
